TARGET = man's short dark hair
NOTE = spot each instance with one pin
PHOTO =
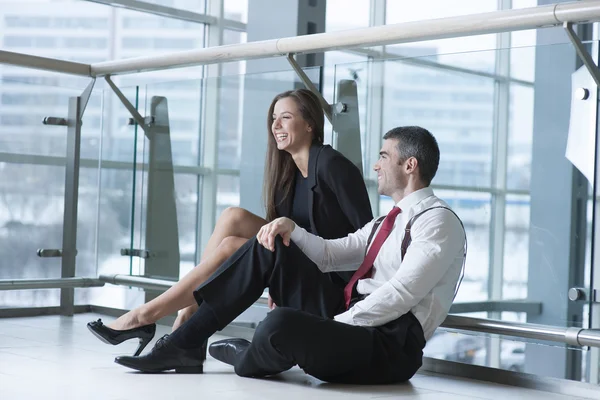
(417, 142)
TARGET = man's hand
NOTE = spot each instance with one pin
(280, 226)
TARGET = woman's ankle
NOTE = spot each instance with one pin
(143, 316)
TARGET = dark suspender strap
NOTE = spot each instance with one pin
(407, 239)
(375, 226)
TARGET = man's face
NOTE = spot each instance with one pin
(390, 173)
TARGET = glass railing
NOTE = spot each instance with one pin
(149, 198)
(32, 171)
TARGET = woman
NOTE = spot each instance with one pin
(305, 180)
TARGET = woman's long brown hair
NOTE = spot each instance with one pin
(279, 165)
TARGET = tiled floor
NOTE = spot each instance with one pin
(58, 358)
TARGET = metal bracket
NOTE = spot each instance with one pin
(572, 336)
(85, 97)
(586, 58)
(310, 86)
(135, 253)
(583, 294)
(141, 121)
(55, 121)
(47, 253)
(148, 120)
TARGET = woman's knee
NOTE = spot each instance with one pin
(234, 215)
(230, 244)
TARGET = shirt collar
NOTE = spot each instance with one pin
(414, 198)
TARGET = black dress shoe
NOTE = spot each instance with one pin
(228, 350)
(166, 356)
(111, 336)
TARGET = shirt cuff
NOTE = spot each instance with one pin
(345, 318)
(298, 234)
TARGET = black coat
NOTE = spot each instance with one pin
(338, 203)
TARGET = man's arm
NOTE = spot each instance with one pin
(343, 254)
(438, 238)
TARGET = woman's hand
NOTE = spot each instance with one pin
(280, 226)
(270, 303)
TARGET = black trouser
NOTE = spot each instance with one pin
(301, 329)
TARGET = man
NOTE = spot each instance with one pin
(371, 332)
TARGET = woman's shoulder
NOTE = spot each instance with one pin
(328, 155)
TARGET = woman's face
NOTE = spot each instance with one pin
(290, 130)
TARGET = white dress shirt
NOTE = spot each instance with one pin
(424, 282)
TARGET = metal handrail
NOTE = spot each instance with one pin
(406, 32)
(49, 283)
(573, 335)
(44, 63)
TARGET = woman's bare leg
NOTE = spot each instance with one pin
(233, 221)
(179, 296)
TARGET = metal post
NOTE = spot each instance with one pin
(69, 242)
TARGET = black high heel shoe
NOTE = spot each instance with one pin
(111, 336)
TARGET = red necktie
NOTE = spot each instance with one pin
(367, 264)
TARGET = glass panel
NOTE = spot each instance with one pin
(32, 188)
(516, 247)
(187, 203)
(119, 187)
(522, 55)
(520, 137)
(474, 209)
(23, 106)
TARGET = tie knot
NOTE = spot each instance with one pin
(394, 212)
